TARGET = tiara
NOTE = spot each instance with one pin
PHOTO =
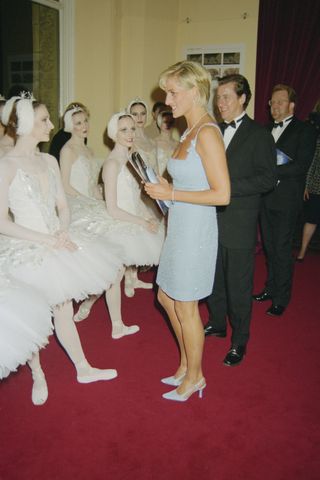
(25, 113)
(135, 101)
(24, 95)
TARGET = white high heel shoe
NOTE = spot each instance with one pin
(177, 397)
(39, 393)
(173, 381)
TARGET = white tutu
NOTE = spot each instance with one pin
(139, 246)
(60, 275)
(25, 324)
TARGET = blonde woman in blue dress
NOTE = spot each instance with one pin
(200, 181)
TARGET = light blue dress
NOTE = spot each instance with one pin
(188, 258)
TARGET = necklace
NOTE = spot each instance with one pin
(189, 130)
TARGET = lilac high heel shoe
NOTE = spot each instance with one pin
(177, 397)
(173, 381)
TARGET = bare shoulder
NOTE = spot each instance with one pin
(50, 160)
(8, 166)
(209, 129)
(208, 135)
(68, 151)
(110, 165)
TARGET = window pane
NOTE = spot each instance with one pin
(29, 52)
(46, 58)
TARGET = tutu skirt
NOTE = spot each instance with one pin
(25, 324)
(61, 275)
(138, 246)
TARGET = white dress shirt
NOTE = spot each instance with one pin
(278, 131)
(230, 131)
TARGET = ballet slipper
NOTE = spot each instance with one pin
(39, 393)
(140, 284)
(88, 374)
(120, 331)
(83, 312)
(128, 289)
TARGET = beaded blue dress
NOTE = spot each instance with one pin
(188, 258)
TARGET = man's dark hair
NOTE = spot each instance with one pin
(241, 85)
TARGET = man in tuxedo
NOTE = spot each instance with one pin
(295, 144)
(251, 161)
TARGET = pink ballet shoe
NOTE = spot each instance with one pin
(39, 393)
(88, 374)
(82, 313)
(140, 284)
(123, 330)
(128, 289)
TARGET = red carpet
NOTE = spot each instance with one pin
(259, 421)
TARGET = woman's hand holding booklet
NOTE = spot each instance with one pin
(147, 175)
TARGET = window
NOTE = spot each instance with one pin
(220, 60)
(36, 51)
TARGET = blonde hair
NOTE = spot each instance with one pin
(189, 75)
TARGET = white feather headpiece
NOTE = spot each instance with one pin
(113, 124)
(7, 109)
(67, 118)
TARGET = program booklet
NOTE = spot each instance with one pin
(283, 158)
(147, 174)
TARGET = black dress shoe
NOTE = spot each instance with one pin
(235, 355)
(299, 260)
(262, 296)
(210, 330)
(276, 310)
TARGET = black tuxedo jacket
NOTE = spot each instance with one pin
(251, 161)
(298, 141)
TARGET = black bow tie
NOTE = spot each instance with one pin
(225, 125)
(280, 124)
